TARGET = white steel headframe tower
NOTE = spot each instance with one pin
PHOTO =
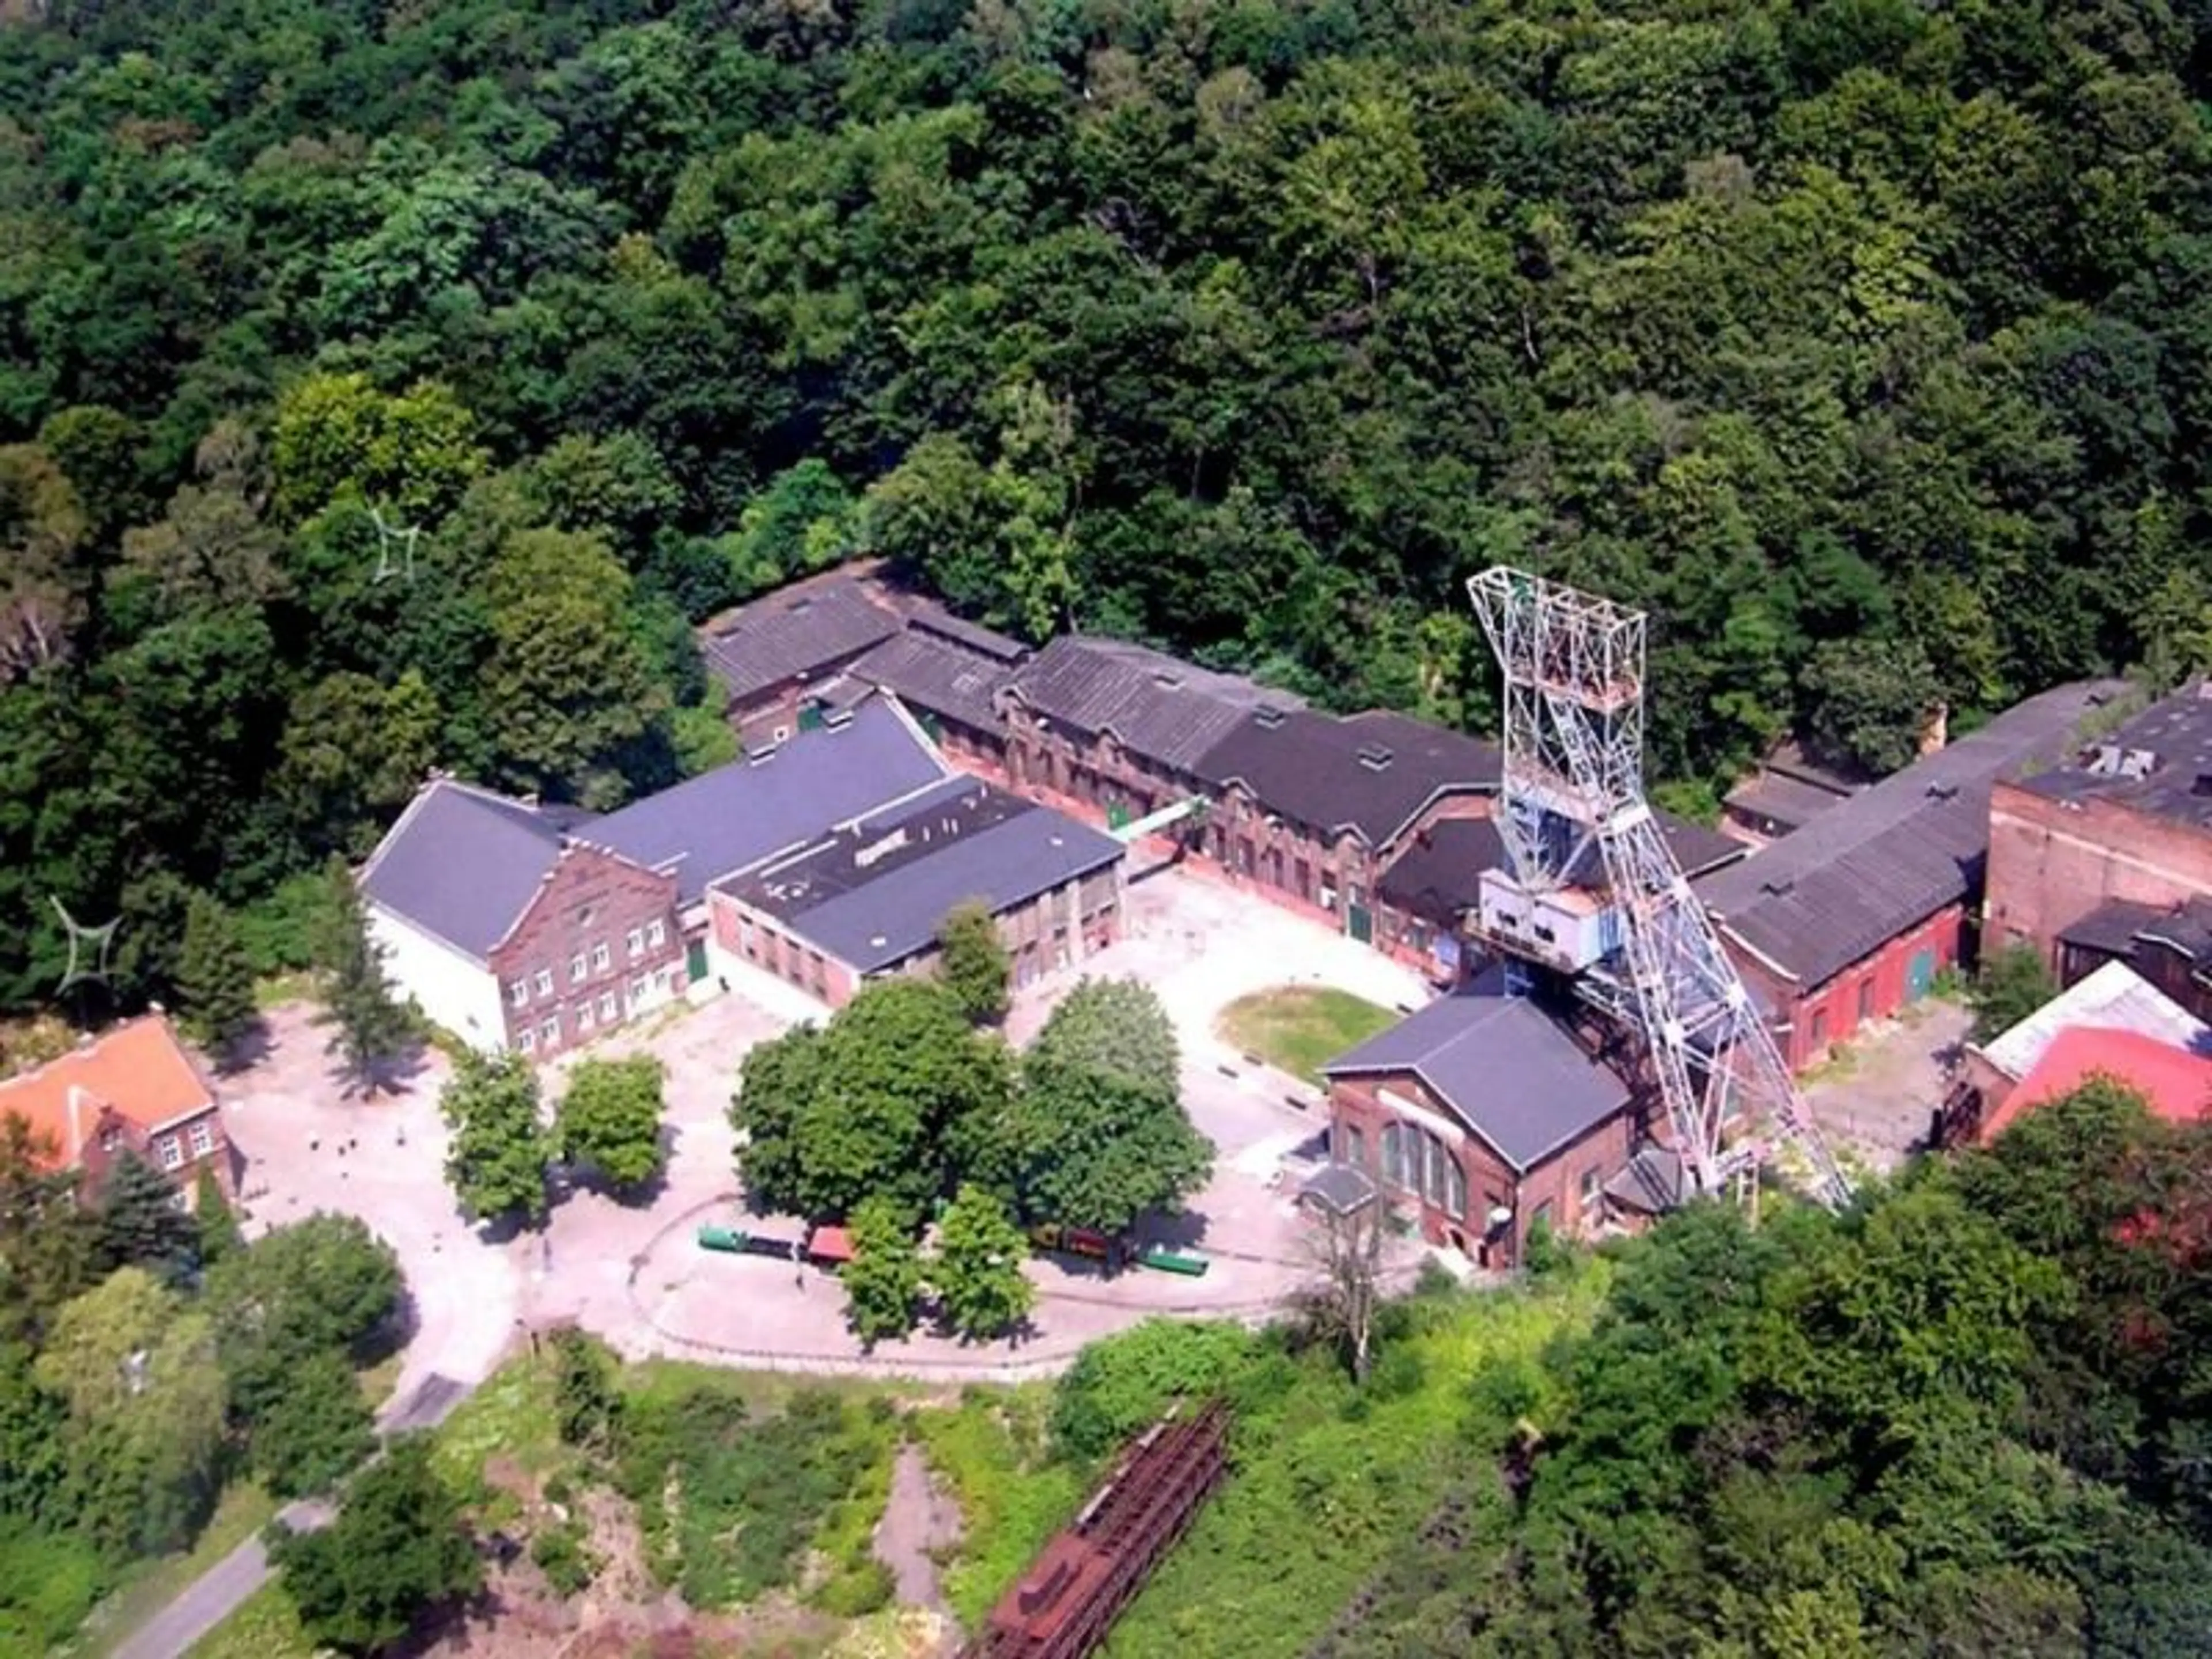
(1574, 773)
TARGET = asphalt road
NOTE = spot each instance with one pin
(228, 1585)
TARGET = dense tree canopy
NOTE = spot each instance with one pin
(385, 391)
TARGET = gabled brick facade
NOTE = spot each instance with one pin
(600, 944)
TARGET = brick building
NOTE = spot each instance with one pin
(1119, 731)
(1483, 1114)
(1433, 888)
(1311, 807)
(135, 1087)
(2109, 854)
(868, 899)
(1787, 792)
(948, 673)
(772, 658)
(517, 926)
(1850, 918)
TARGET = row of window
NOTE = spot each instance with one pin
(652, 936)
(546, 1034)
(1417, 1160)
(169, 1149)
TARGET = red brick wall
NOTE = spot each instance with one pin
(591, 898)
(1356, 1104)
(1827, 1014)
(2051, 863)
(99, 1157)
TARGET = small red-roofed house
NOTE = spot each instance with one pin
(2175, 1082)
(133, 1087)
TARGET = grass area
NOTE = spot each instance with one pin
(281, 990)
(1300, 1028)
(149, 1586)
(988, 1451)
(1327, 1480)
(376, 1381)
(265, 1627)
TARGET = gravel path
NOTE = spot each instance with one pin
(917, 1520)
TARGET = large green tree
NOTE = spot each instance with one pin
(883, 1281)
(214, 979)
(399, 1548)
(368, 1028)
(1103, 1134)
(502, 1147)
(982, 1291)
(609, 1117)
(972, 960)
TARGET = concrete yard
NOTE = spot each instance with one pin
(1875, 1099)
(632, 1271)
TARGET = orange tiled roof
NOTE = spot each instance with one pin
(139, 1068)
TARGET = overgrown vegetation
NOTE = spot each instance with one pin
(1863, 341)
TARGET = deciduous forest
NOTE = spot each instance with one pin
(389, 385)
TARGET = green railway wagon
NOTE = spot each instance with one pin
(1175, 1261)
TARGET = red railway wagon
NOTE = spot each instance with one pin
(1080, 1582)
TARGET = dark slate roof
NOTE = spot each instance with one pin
(2169, 744)
(1339, 1189)
(1874, 866)
(1653, 1182)
(930, 675)
(792, 636)
(876, 894)
(1439, 874)
(926, 617)
(731, 818)
(463, 863)
(1168, 711)
(1788, 803)
(2113, 925)
(1502, 1065)
(1372, 773)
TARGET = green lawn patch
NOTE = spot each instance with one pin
(1299, 1028)
(149, 1586)
(265, 1627)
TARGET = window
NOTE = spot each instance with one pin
(576, 968)
(518, 992)
(528, 1039)
(637, 992)
(607, 1007)
(1393, 1154)
(657, 935)
(1543, 1215)
(1354, 1147)
(1819, 1033)
(1866, 998)
(111, 1140)
(599, 958)
(584, 1015)
(1589, 1188)
(201, 1138)
(178, 1201)
(549, 1032)
(544, 982)
(169, 1149)
(782, 733)
(637, 942)
(1456, 1191)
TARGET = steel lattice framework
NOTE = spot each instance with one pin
(1574, 773)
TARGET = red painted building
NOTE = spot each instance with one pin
(1850, 919)
(134, 1088)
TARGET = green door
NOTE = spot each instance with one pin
(1920, 975)
(694, 961)
(1117, 815)
(810, 717)
(1362, 922)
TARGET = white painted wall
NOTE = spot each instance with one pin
(456, 992)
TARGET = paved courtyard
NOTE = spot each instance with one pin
(633, 1273)
(1875, 1099)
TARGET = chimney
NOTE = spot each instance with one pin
(1938, 732)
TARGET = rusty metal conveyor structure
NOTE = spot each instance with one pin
(1080, 1582)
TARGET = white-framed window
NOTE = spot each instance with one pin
(600, 957)
(576, 968)
(637, 988)
(544, 982)
(584, 1016)
(518, 992)
(201, 1138)
(637, 942)
(526, 1040)
(178, 1199)
(549, 1032)
(607, 1006)
(656, 935)
(170, 1151)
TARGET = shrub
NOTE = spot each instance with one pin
(1120, 1386)
(568, 1562)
